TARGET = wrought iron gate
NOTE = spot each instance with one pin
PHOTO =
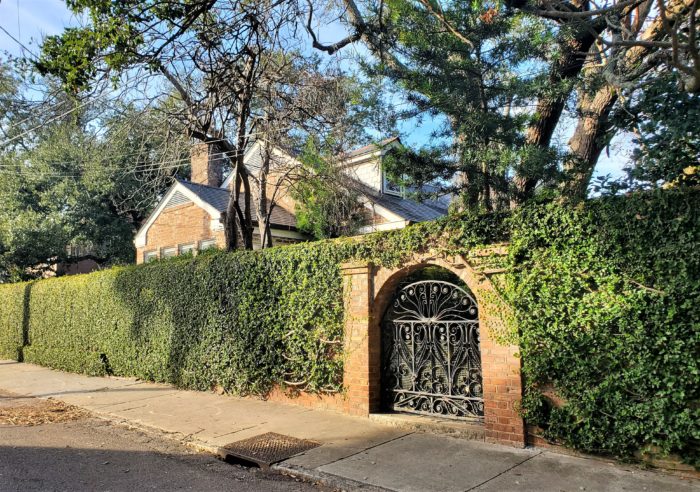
(430, 351)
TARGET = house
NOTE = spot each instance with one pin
(188, 217)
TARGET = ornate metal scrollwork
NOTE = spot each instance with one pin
(431, 360)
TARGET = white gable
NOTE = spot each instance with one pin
(178, 194)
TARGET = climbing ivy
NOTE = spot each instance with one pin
(603, 299)
(607, 302)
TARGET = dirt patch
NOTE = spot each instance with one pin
(21, 410)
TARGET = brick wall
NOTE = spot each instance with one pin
(367, 293)
(184, 224)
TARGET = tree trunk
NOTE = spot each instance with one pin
(263, 212)
(588, 141)
(550, 107)
(231, 218)
(592, 130)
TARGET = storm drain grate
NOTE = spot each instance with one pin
(265, 449)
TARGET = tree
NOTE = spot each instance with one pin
(592, 52)
(327, 206)
(313, 106)
(81, 180)
(226, 61)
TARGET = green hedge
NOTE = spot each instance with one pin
(242, 321)
(12, 305)
(607, 298)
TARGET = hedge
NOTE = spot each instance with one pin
(241, 321)
(605, 298)
(12, 306)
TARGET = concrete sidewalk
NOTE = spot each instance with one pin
(356, 453)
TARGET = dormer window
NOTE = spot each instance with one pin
(391, 188)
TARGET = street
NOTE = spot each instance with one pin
(70, 450)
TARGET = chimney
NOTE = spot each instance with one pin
(207, 165)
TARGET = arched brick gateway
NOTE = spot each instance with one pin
(368, 291)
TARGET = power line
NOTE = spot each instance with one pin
(2, 144)
(154, 165)
(172, 164)
(18, 42)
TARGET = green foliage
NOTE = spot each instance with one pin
(605, 303)
(607, 299)
(483, 83)
(11, 317)
(82, 180)
(665, 124)
(243, 321)
(325, 207)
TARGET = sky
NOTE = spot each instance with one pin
(29, 20)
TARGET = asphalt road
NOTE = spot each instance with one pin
(85, 453)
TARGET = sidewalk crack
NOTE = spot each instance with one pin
(365, 449)
(504, 472)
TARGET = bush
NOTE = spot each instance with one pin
(607, 298)
(12, 304)
(242, 321)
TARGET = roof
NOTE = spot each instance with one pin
(410, 210)
(373, 147)
(218, 198)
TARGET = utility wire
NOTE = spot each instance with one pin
(154, 165)
(18, 42)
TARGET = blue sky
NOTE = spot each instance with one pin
(29, 20)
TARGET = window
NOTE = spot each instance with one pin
(168, 252)
(149, 256)
(391, 188)
(206, 244)
(186, 248)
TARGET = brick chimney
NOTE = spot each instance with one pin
(207, 165)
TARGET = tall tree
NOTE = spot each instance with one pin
(77, 178)
(221, 58)
(595, 51)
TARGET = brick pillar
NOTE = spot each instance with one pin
(502, 381)
(362, 345)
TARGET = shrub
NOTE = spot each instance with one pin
(242, 321)
(12, 305)
(607, 298)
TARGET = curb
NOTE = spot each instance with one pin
(327, 479)
(303, 474)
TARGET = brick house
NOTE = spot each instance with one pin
(188, 217)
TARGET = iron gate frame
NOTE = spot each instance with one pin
(440, 316)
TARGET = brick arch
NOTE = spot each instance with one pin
(386, 280)
(368, 292)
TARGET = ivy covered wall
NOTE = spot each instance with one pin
(605, 300)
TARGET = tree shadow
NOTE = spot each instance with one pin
(25, 321)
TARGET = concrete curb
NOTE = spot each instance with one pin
(301, 473)
(326, 479)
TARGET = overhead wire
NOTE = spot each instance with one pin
(156, 165)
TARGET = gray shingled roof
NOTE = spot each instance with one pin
(218, 198)
(371, 147)
(406, 209)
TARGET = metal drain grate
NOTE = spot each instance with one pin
(265, 449)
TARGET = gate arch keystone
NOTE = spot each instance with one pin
(369, 289)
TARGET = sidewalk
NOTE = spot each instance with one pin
(355, 453)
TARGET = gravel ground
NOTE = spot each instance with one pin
(47, 445)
